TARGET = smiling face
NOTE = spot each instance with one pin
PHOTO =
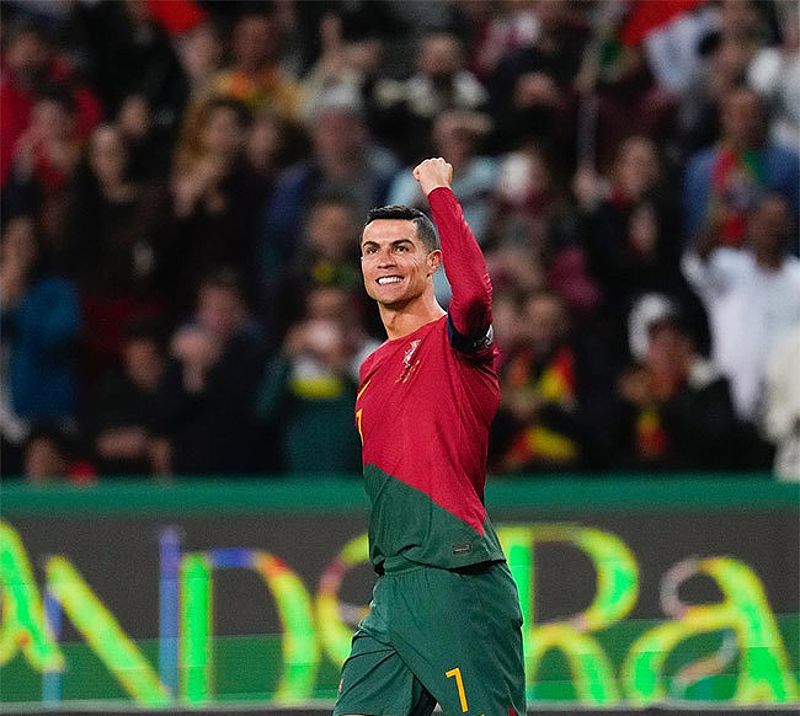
(397, 266)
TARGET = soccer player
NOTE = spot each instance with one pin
(445, 622)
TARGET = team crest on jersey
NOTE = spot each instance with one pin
(409, 364)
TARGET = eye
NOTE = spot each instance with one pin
(400, 248)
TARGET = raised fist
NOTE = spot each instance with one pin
(433, 173)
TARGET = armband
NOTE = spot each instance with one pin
(469, 344)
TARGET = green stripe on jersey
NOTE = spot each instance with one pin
(405, 521)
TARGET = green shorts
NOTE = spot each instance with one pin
(451, 637)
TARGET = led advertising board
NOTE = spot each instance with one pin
(633, 601)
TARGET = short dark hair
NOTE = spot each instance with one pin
(426, 231)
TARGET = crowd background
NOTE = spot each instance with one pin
(184, 184)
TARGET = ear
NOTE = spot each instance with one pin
(434, 260)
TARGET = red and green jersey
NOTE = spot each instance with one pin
(424, 409)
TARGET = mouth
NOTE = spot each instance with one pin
(388, 280)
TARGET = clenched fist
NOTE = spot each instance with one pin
(433, 173)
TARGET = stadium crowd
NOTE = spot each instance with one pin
(184, 184)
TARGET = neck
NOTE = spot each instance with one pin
(400, 321)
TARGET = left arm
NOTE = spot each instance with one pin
(471, 305)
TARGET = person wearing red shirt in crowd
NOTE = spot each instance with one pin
(29, 65)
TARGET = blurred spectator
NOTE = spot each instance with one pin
(531, 89)
(40, 323)
(130, 53)
(310, 387)
(675, 407)
(49, 456)
(730, 34)
(255, 76)
(329, 256)
(356, 26)
(723, 184)
(200, 53)
(619, 92)
(112, 247)
(149, 146)
(526, 199)
(44, 160)
(272, 145)
(345, 163)
(781, 410)
(216, 202)
(354, 62)
(752, 295)
(537, 426)
(741, 24)
(405, 110)
(513, 26)
(29, 65)
(775, 73)
(630, 230)
(632, 235)
(207, 394)
(533, 231)
(124, 411)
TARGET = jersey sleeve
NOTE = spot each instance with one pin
(470, 311)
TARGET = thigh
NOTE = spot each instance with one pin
(460, 634)
(375, 679)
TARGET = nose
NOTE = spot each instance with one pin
(386, 258)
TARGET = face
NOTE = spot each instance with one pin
(440, 56)
(743, 119)
(220, 311)
(134, 117)
(637, 167)
(107, 153)
(222, 133)
(52, 120)
(668, 348)
(19, 242)
(397, 267)
(739, 16)
(263, 143)
(201, 51)
(143, 362)
(44, 460)
(254, 40)
(547, 322)
(26, 54)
